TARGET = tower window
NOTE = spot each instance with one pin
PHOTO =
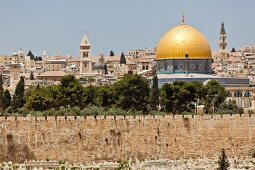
(85, 54)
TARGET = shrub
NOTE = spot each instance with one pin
(9, 110)
(250, 112)
(240, 110)
(187, 113)
(92, 111)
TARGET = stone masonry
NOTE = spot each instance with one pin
(86, 139)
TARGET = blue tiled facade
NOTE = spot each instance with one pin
(183, 66)
(225, 81)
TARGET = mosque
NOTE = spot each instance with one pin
(184, 54)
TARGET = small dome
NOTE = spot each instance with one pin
(98, 66)
(181, 40)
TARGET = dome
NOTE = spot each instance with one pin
(181, 40)
(98, 66)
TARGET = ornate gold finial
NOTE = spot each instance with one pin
(182, 18)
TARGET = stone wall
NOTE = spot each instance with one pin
(79, 139)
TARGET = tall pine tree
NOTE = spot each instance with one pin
(7, 100)
(1, 93)
(154, 93)
(18, 97)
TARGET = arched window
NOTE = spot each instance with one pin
(238, 94)
(147, 67)
(247, 94)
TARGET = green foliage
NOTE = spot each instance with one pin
(89, 95)
(132, 92)
(18, 97)
(92, 110)
(40, 99)
(104, 96)
(223, 161)
(129, 96)
(7, 99)
(215, 95)
(229, 107)
(9, 110)
(122, 59)
(178, 97)
(70, 92)
(154, 93)
(111, 53)
(251, 112)
(123, 165)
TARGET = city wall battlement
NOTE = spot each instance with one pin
(110, 138)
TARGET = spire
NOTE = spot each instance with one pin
(85, 40)
(182, 18)
(222, 30)
(20, 52)
(44, 53)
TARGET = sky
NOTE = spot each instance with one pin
(117, 25)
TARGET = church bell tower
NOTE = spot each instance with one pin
(223, 40)
(85, 58)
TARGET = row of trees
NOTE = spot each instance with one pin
(133, 93)
(17, 101)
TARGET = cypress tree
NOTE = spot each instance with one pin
(105, 69)
(112, 53)
(154, 93)
(7, 99)
(1, 93)
(122, 59)
(18, 97)
(223, 161)
(32, 75)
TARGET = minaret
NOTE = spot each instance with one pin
(223, 40)
(85, 59)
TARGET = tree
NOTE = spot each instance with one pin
(122, 59)
(223, 161)
(1, 93)
(32, 75)
(215, 95)
(40, 99)
(166, 97)
(7, 99)
(105, 69)
(31, 55)
(18, 97)
(228, 107)
(104, 96)
(154, 93)
(132, 92)
(112, 53)
(70, 92)
(233, 49)
(89, 95)
(179, 96)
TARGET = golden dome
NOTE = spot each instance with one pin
(180, 40)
